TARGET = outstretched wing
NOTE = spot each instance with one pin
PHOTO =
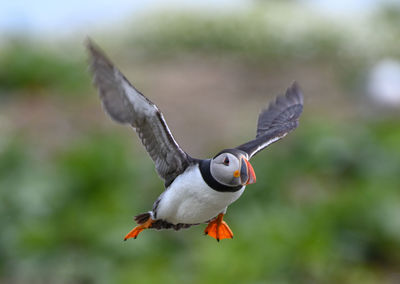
(281, 117)
(127, 105)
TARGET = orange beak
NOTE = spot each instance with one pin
(251, 173)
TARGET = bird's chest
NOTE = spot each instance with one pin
(190, 200)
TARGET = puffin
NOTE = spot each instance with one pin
(197, 191)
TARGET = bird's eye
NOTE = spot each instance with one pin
(226, 161)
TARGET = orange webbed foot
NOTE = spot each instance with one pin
(138, 229)
(218, 229)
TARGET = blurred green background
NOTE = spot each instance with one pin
(326, 205)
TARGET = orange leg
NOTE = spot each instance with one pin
(136, 231)
(218, 229)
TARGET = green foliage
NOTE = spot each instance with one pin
(26, 67)
(268, 32)
(252, 36)
(272, 34)
(325, 209)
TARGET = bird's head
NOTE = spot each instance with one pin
(231, 167)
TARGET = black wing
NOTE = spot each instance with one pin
(125, 104)
(281, 117)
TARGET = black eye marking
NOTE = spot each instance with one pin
(226, 161)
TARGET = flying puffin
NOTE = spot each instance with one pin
(196, 190)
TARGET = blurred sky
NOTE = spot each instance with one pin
(45, 17)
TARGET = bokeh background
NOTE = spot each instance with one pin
(326, 205)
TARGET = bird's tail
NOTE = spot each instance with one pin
(142, 218)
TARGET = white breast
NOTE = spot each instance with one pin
(189, 200)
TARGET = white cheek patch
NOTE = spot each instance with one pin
(225, 174)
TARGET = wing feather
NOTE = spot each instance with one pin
(127, 105)
(276, 121)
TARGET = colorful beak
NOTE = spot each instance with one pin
(251, 176)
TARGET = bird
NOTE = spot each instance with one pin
(197, 191)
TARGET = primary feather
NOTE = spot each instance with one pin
(276, 121)
(125, 104)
